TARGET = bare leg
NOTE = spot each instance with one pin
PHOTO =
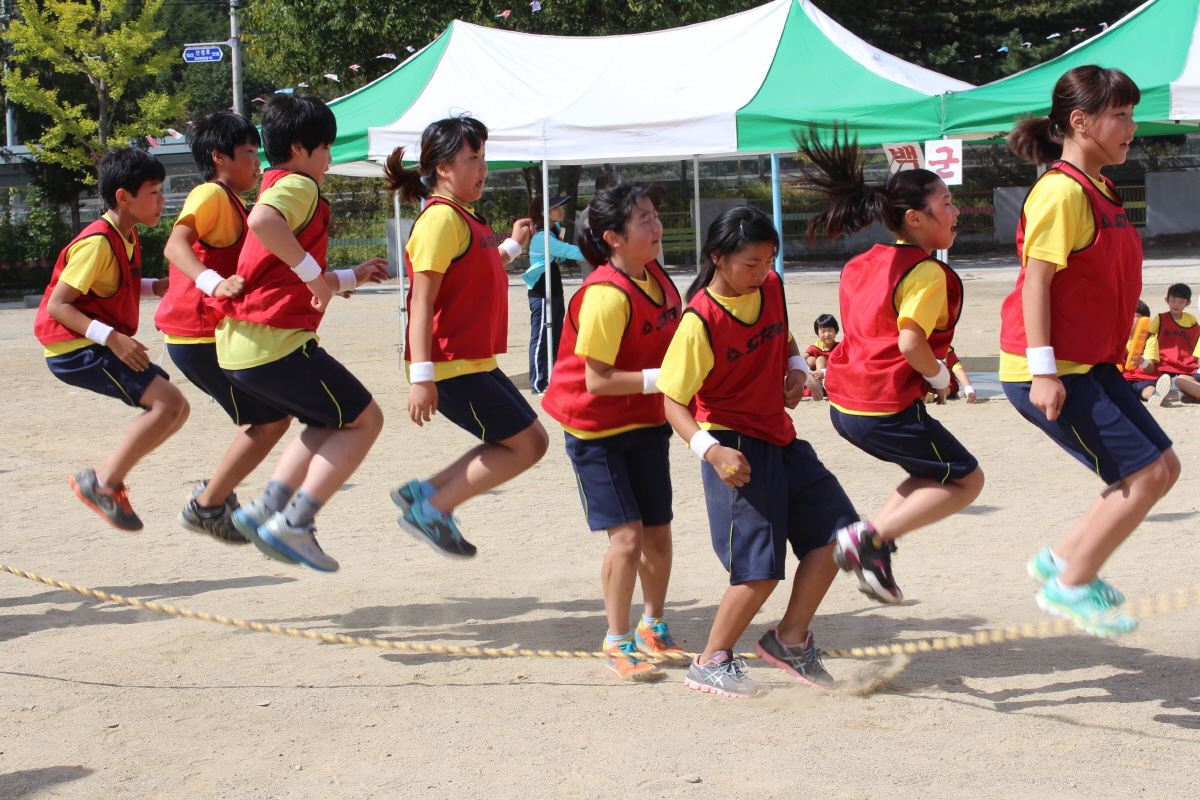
(1148, 392)
(814, 575)
(655, 568)
(1188, 385)
(488, 465)
(335, 460)
(924, 502)
(166, 411)
(619, 573)
(250, 446)
(738, 607)
(295, 458)
(1119, 509)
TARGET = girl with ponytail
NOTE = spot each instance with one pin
(899, 306)
(603, 392)
(729, 375)
(457, 324)
(1063, 330)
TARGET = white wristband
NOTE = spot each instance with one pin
(208, 281)
(512, 247)
(420, 372)
(1041, 361)
(148, 287)
(308, 269)
(800, 363)
(650, 381)
(347, 280)
(702, 442)
(969, 390)
(942, 379)
(98, 332)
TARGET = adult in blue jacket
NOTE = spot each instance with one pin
(535, 279)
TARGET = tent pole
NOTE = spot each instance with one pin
(696, 213)
(548, 303)
(944, 255)
(402, 276)
(777, 211)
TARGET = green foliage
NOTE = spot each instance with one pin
(153, 240)
(37, 238)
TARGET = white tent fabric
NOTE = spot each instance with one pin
(661, 95)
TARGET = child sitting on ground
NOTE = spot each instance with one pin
(1144, 377)
(960, 381)
(1178, 339)
(817, 354)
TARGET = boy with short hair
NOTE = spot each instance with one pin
(203, 249)
(1178, 338)
(89, 315)
(267, 344)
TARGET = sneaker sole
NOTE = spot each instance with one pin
(783, 665)
(253, 537)
(704, 687)
(1055, 610)
(643, 676)
(419, 535)
(868, 584)
(98, 510)
(281, 547)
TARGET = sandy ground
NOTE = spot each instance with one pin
(100, 701)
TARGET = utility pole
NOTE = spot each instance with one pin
(10, 111)
(235, 45)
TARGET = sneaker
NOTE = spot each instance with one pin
(440, 533)
(297, 543)
(857, 551)
(1092, 612)
(801, 661)
(231, 502)
(405, 496)
(220, 527)
(655, 640)
(111, 503)
(1042, 568)
(1162, 387)
(247, 519)
(624, 662)
(1187, 399)
(724, 675)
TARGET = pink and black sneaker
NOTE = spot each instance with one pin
(860, 550)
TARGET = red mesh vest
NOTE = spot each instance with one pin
(1176, 345)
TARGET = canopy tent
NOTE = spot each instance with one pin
(1156, 45)
(741, 84)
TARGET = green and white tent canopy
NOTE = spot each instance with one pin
(1157, 45)
(743, 84)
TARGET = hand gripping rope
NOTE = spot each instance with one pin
(1166, 603)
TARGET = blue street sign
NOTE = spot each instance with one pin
(201, 55)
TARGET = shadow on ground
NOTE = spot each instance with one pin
(28, 782)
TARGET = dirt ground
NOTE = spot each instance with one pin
(101, 701)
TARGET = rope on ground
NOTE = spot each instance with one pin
(1166, 603)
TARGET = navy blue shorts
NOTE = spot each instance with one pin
(198, 363)
(97, 369)
(1102, 423)
(308, 384)
(624, 478)
(485, 405)
(1140, 386)
(791, 499)
(911, 439)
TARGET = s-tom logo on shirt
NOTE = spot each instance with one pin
(754, 342)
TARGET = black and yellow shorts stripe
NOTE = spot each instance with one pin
(97, 369)
(198, 363)
(308, 384)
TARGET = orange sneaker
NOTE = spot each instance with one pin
(112, 504)
(625, 662)
(655, 639)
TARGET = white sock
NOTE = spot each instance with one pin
(1058, 560)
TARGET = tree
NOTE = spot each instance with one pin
(86, 65)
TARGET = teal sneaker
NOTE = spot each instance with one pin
(1042, 568)
(439, 532)
(1092, 612)
(406, 495)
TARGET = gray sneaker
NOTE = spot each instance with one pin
(220, 527)
(247, 518)
(298, 543)
(112, 504)
(724, 675)
(801, 661)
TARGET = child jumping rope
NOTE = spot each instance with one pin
(458, 323)
(267, 344)
(1063, 329)
(89, 315)
(899, 307)
(604, 394)
(203, 249)
(727, 376)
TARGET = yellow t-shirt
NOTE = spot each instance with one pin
(92, 266)
(920, 297)
(1186, 320)
(689, 358)
(821, 346)
(442, 236)
(1058, 221)
(209, 213)
(603, 317)
(242, 344)
(1150, 353)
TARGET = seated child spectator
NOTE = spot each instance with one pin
(960, 381)
(817, 354)
(1178, 338)
(1144, 378)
